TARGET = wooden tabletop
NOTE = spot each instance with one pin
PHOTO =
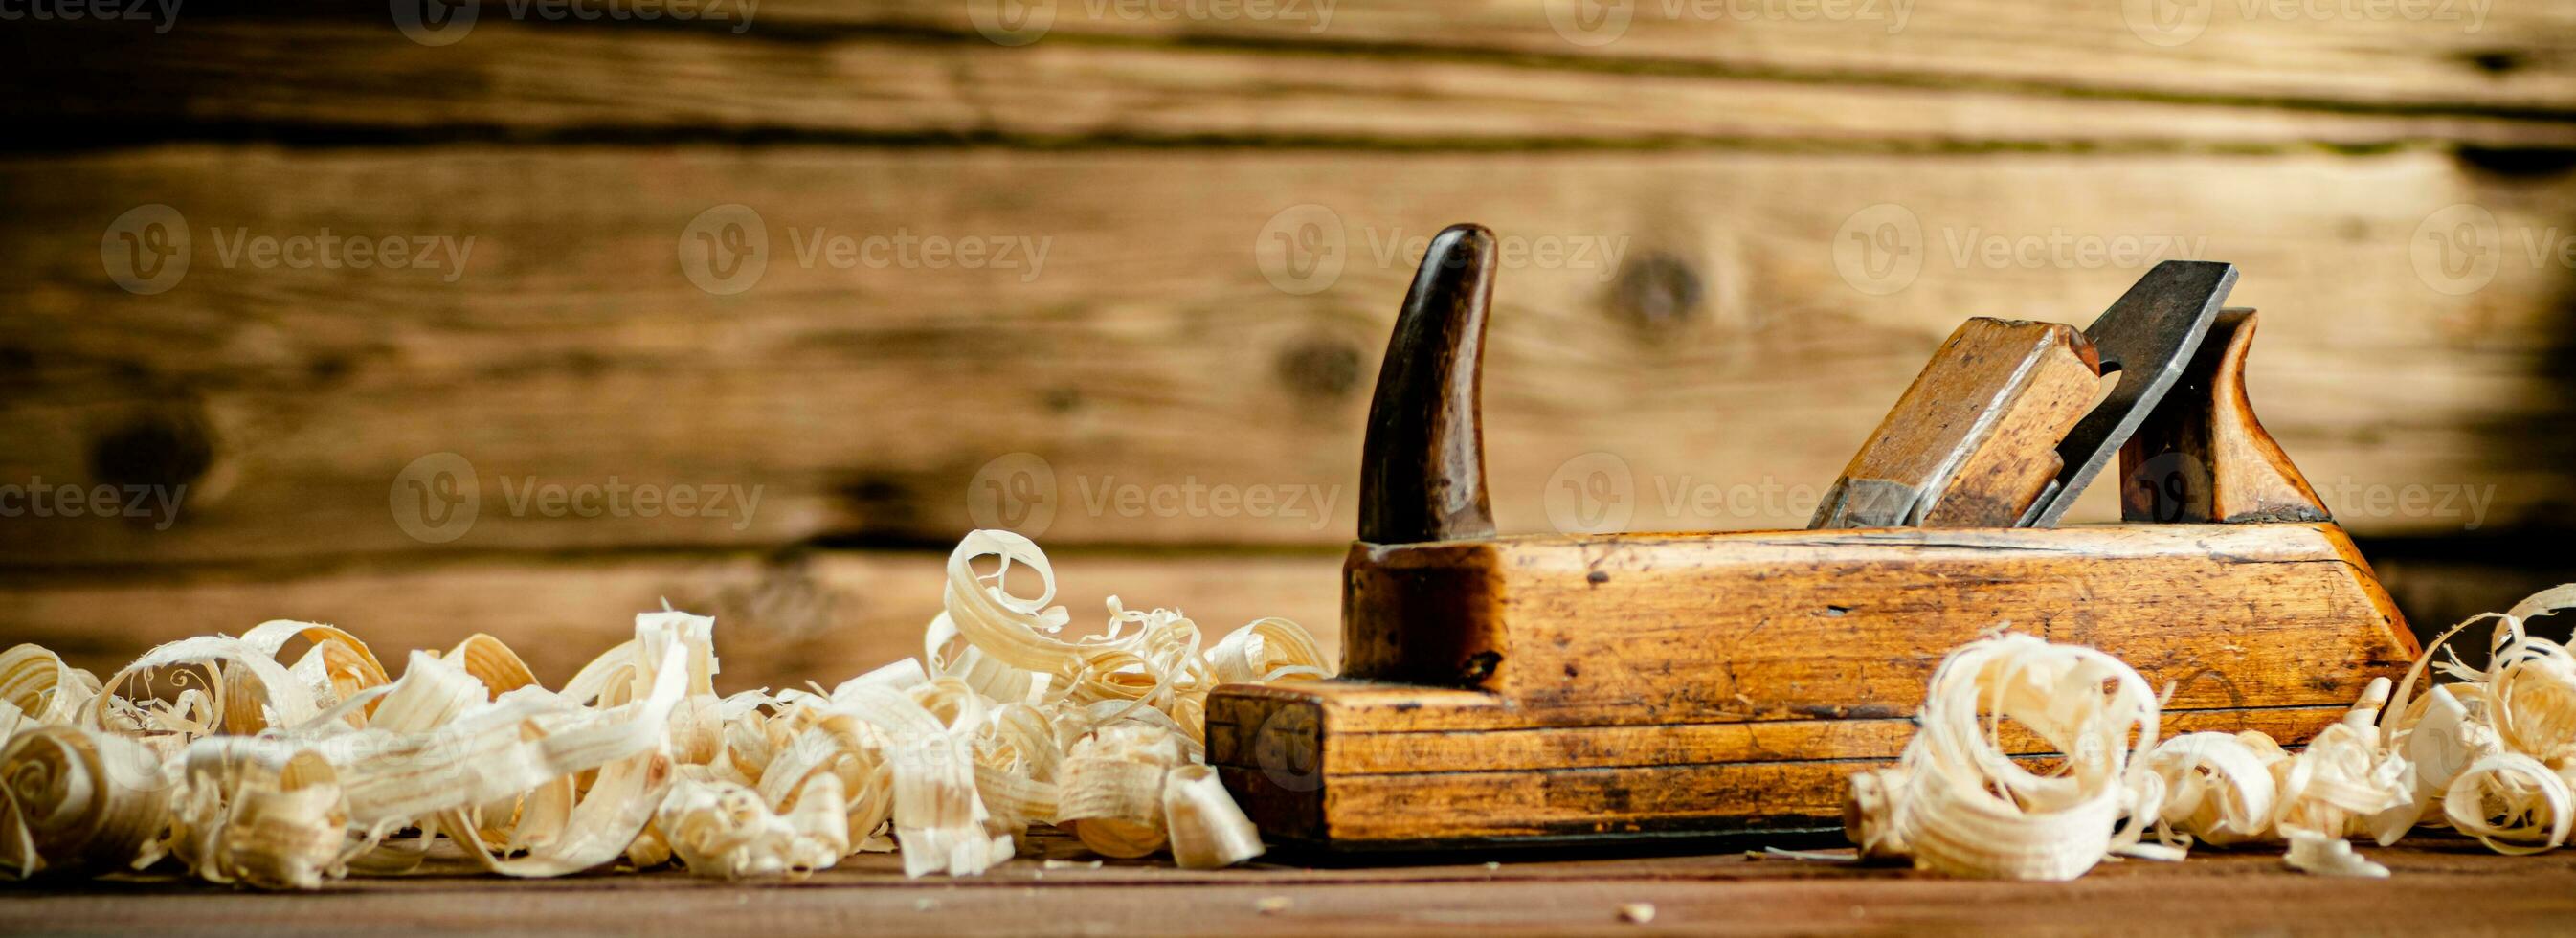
(2440, 885)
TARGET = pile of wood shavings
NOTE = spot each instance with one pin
(2491, 754)
(211, 754)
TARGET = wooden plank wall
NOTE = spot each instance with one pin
(1169, 239)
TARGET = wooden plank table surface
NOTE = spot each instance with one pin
(2440, 884)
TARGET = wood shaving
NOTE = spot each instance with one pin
(2329, 856)
(212, 754)
(2490, 754)
(1958, 804)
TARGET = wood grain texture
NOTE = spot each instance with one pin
(2512, 58)
(1973, 441)
(1302, 780)
(802, 74)
(2242, 891)
(1608, 747)
(1724, 358)
(1621, 686)
(1770, 625)
(783, 620)
(1447, 808)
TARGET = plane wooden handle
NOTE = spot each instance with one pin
(2202, 458)
(1973, 442)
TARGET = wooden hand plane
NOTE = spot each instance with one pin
(1523, 690)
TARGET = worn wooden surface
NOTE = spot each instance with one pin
(1551, 687)
(1729, 367)
(2441, 886)
(1725, 365)
(1646, 629)
(1973, 440)
(1975, 72)
(1303, 778)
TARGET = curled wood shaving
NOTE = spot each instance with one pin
(1207, 830)
(37, 688)
(2510, 802)
(213, 753)
(2329, 856)
(1958, 804)
(718, 828)
(2490, 754)
(77, 799)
